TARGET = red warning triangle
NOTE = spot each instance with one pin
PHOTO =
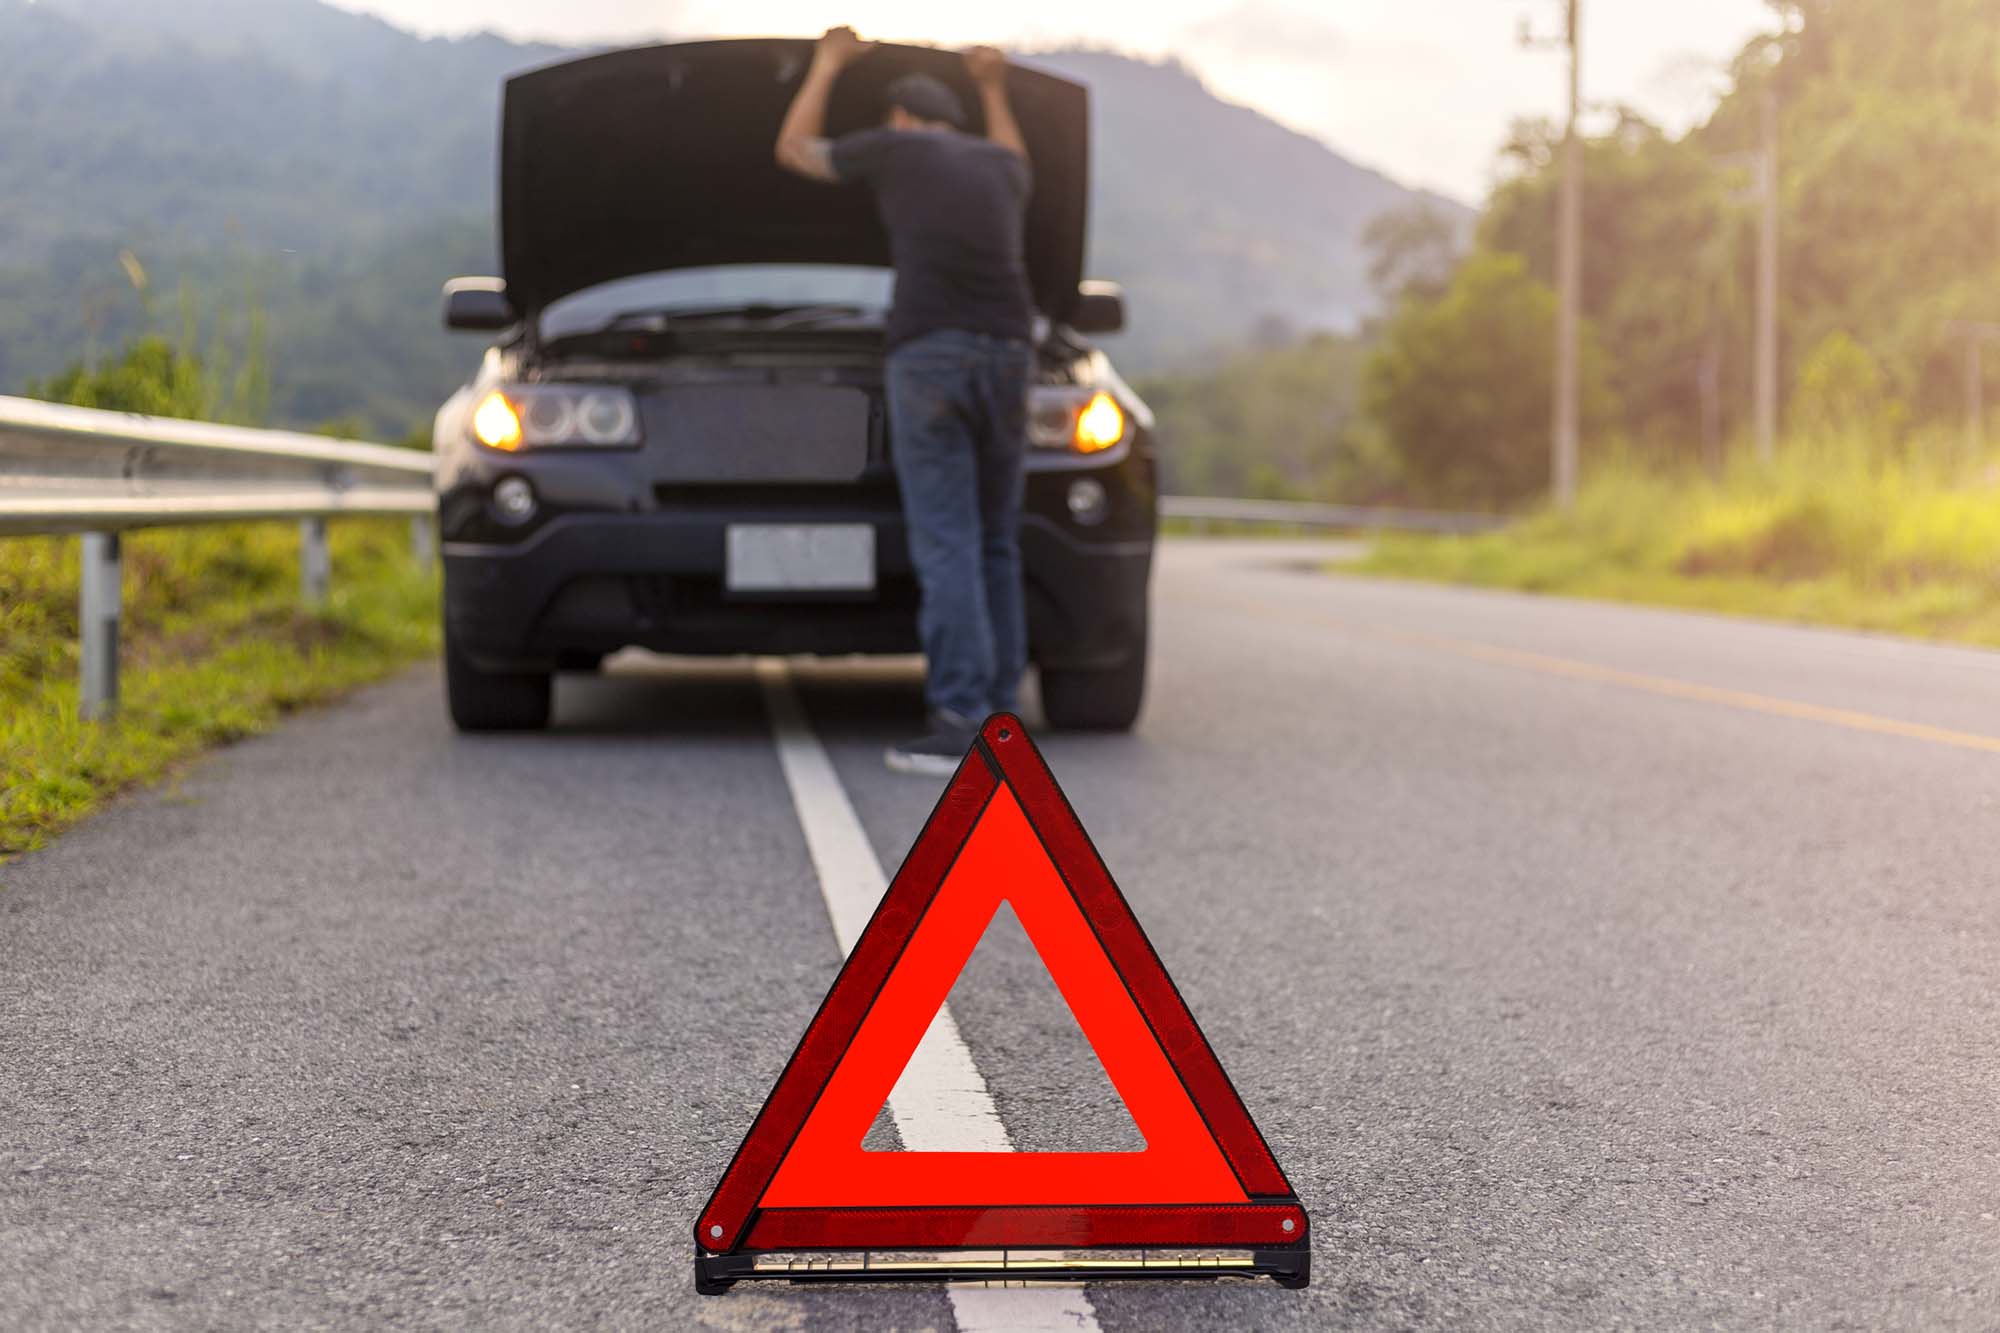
(1002, 833)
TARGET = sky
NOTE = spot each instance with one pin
(1422, 89)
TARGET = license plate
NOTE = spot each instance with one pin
(800, 557)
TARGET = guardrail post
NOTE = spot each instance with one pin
(315, 564)
(423, 541)
(102, 596)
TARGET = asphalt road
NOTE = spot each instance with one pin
(1586, 966)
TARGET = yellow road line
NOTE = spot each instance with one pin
(1667, 686)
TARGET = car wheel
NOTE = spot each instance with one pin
(1098, 700)
(493, 700)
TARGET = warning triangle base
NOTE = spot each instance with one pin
(802, 1200)
(717, 1273)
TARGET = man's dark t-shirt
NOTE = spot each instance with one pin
(953, 204)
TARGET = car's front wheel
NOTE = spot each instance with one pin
(493, 700)
(1105, 699)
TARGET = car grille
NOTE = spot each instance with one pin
(723, 433)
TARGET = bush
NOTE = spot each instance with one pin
(1832, 532)
(1462, 385)
(1842, 393)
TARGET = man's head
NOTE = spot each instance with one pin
(920, 102)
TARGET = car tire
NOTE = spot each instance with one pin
(1107, 699)
(493, 700)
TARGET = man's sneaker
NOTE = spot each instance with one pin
(938, 752)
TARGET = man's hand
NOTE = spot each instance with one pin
(986, 64)
(802, 146)
(839, 48)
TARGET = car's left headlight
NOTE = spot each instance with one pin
(557, 416)
(1080, 420)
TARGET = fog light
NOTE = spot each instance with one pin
(513, 500)
(1088, 503)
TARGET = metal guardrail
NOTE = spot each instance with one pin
(77, 469)
(1368, 518)
(80, 470)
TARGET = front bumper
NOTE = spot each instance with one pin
(591, 583)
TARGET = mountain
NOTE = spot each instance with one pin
(331, 170)
(274, 126)
(1217, 218)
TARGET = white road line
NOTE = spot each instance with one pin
(941, 1103)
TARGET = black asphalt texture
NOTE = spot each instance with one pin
(1564, 1002)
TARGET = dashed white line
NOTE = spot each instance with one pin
(941, 1103)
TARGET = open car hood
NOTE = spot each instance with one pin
(660, 157)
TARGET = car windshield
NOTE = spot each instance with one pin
(757, 289)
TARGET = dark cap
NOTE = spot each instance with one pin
(927, 98)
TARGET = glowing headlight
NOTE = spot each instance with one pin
(1080, 420)
(1100, 425)
(495, 424)
(554, 416)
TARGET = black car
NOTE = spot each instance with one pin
(680, 440)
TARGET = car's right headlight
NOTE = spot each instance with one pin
(557, 416)
(1080, 420)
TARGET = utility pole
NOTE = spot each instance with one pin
(1569, 278)
(1976, 334)
(1975, 397)
(1766, 364)
(1569, 261)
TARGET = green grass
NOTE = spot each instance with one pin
(1831, 534)
(217, 646)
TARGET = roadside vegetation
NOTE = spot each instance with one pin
(1831, 534)
(216, 643)
(1876, 103)
(1873, 515)
(1444, 401)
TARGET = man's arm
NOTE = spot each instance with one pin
(802, 145)
(988, 67)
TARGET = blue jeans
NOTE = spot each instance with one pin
(958, 425)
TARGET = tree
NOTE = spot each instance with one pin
(1461, 385)
(1411, 251)
(1889, 200)
(1272, 423)
(151, 377)
(168, 379)
(1664, 259)
(1840, 391)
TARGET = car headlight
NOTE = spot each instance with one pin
(1084, 421)
(556, 416)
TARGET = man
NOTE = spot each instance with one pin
(959, 365)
